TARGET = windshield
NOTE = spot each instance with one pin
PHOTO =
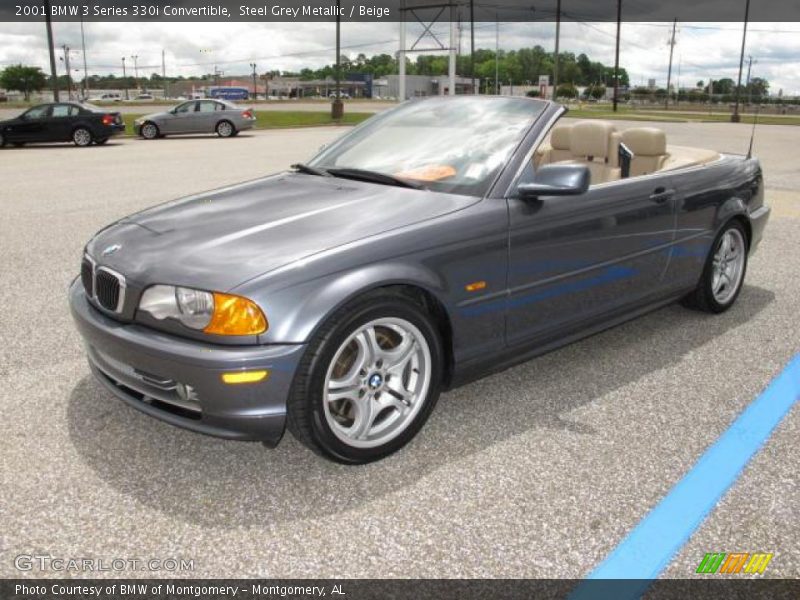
(448, 144)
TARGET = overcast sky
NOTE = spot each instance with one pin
(703, 50)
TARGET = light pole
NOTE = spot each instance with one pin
(135, 58)
(85, 70)
(65, 58)
(51, 48)
(616, 56)
(735, 117)
(255, 89)
(125, 79)
(337, 108)
(750, 63)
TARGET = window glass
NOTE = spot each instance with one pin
(185, 107)
(207, 106)
(454, 145)
(37, 112)
(64, 110)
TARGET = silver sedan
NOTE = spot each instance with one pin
(196, 116)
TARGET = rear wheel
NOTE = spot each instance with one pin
(82, 137)
(369, 380)
(724, 271)
(149, 131)
(225, 129)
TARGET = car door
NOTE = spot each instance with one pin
(60, 121)
(206, 116)
(577, 259)
(179, 120)
(30, 127)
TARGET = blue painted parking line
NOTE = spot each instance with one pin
(649, 547)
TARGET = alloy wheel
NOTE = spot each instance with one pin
(377, 382)
(728, 266)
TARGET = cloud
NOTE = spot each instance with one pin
(703, 50)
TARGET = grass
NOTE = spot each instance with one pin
(672, 116)
(282, 119)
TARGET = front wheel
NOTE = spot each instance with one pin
(369, 380)
(724, 271)
(82, 137)
(149, 131)
(225, 129)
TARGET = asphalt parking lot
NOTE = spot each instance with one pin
(538, 471)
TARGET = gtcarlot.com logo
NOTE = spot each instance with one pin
(734, 562)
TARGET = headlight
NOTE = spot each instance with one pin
(211, 312)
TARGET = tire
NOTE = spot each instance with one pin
(18, 144)
(724, 271)
(391, 396)
(225, 129)
(101, 141)
(149, 131)
(82, 137)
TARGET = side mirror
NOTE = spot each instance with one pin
(557, 180)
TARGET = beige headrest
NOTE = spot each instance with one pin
(645, 141)
(560, 136)
(591, 138)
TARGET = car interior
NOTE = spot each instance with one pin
(597, 144)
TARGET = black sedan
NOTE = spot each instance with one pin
(82, 124)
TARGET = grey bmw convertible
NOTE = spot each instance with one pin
(435, 243)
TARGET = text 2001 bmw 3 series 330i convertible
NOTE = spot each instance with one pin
(437, 242)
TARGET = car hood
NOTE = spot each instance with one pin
(220, 239)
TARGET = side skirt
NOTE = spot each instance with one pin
(476, 369)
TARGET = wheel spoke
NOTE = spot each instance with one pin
(366, 411)
(397, 358)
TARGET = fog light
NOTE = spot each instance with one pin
(245, 376)
(186, 393)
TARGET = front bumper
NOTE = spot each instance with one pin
(758, 221)
(142, 367)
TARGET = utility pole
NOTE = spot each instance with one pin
(51, 49)
(255, 85)
(65, 48)
(497, 55)
(616, 55)
(472, 44)
(85, 70)
(337, 108)
(163, 73)
(135, 58)
(669, 70)
(735, 117)
(747, 85)
(125, 79)
(556, 57)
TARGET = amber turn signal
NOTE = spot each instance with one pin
(234, 315)
(245, 376)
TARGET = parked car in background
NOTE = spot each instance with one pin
(144, 98)
(196, 116)
(107, 97)
(82, 124)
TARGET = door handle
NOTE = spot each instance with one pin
(661, 195)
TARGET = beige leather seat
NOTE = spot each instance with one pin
(649, 147)
(559, 147)
(595, 144)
